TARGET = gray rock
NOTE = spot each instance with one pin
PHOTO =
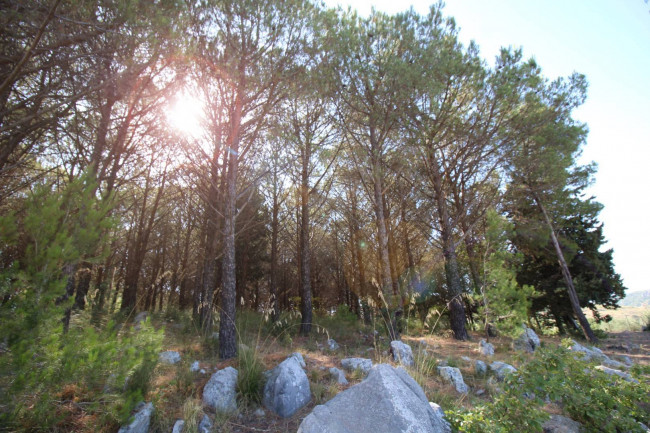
(205, 425)
(485, 348)
(614, 364)
(466, 358)
(561, 424)
(299, 358)
(339, 375)
(501, 369)
(352, 364)
(402, 353)
(178, 426)
(170, 357)
(140, 317)
(220, 392)
(619, 373)
(626, 360)
(440, 414)
(141, 420)
(528, 341)
(195, 367)
(480, 367)
(454, 376)
(332, 344)
(387, 401)
(259, 412)
(587, 354)
(287, 388)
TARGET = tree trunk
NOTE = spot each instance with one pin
(305, 264)
(573, 296)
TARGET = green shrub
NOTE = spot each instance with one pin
(250, 380)
(601, 403)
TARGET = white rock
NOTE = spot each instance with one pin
(387, 401)
(485, 348)
(142, 418)
(454, 376)
(528, 341)
(221, 391)
(352, 364)
(205, 425)
(480, 367)
(402, 353)
(195, 367)
(501, 369)
(587, 354)
(339, 375)
(178, 426)
(287, 388)
(170, 357)
(259, 412)
(619, 373)
(332, 344)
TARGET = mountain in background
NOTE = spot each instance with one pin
(636, 299)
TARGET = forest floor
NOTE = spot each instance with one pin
(174, 386)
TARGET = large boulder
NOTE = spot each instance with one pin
(141, 420)
(221, 391)
(528, 341)
(287, 388)
(454, 376)
(485, 348)
(402, 353)
(501, 369)
(561, 424)
(352, 364)
(387, 401)
(170, 357)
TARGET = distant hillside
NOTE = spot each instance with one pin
(636, 299)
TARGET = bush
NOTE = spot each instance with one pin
(600, 402)
(250, 380)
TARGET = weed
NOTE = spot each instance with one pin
(192, 414)
(250, 380)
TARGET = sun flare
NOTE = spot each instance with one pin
(186, 115)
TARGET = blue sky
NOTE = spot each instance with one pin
(609, 42)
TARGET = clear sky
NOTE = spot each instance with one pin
(609, 42)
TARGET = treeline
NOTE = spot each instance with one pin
(373, 162)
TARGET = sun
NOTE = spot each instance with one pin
(186, 115)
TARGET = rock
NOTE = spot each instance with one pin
(287, 388)
(140, 317)
(440, 414)
(626, 360)
(195, 367)
(587, 354)
(142, 418)
(202, 371)
(259, 412)
(454, 376)
(619, 373)
(339, 375)
(220, 392)
(170, 357)
(178, 426)
(332, 344)
(352, 364)
(402, 353)
(466, 358)
(479, 391)
(613, 364)
(480, 367)
(205, 425)
(501, 369)
(298, 356)
(387, 401)
(528, 341)
(561, 424)
(485, 348)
